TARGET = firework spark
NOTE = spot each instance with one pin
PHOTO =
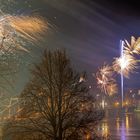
(28, 27)
(105, 80)
(125, 64)
(133, 47)
(15, 30)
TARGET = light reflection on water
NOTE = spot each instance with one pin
(121, 127)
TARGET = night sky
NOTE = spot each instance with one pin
(89, 30)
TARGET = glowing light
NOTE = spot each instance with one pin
(88, 136)
(103, 104)
(126, 103)
(82, 79)
(127, 122)
(123, 132)
(116, 104)
(125, 64)
(118, 123)
(105, 130)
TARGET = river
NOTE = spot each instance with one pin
(122, 126)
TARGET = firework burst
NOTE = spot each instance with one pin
(125, 64)
(133, 47)
(105, 80)
(28, 27)
(16, 30)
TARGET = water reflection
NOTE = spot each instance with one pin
(118, 123)
(123, 134)
(105, 129)
(121, 127)
(127, 123)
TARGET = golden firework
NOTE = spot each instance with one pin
(16, 30)
(105, 80)
(28, 27)
(125, 64)
(133, 47)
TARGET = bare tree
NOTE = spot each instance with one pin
(58, 106)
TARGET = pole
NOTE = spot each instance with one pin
(122, 79)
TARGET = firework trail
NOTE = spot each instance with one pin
(28, 27)
(16, 31)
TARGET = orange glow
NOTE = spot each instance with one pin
(28, 26)
(126, 103)
(117, 104)
(88, 136)
(127, 122)
(15, 31)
